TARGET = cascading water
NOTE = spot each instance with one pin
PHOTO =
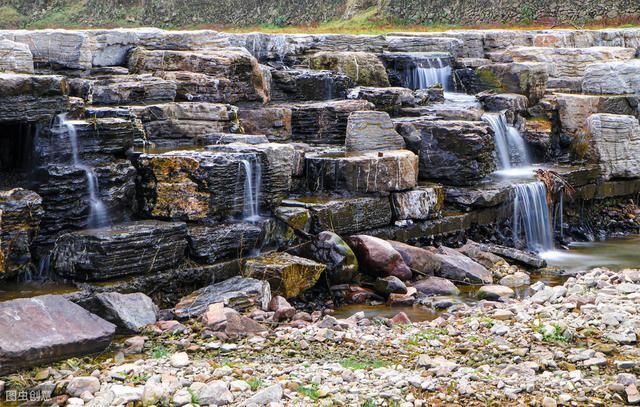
(98, 216)
(510, 146)
(531, 218)
(431, 72)
(252, 188)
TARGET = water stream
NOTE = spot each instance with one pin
(511, 150)
(252, 169)
(531, 218)
(98, 215)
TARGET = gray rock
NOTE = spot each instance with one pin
(213, 393)
(378, 258)
(124, 89)
(420, 203)
(495, 292)
(129, 312)
(612, 78)
(436, 286)
(16, 57)
(518, 279)
(305, 84)
(372, 131)
(272, 394)
(142, 247)
(78, 385)
(389, 100)
(27, 98)
(389, 285)
(616, 144)
(63, 330)
(209, 244)
(459, 268)
(452, 152)
(520, 256)
(237, 292)
(328, 248)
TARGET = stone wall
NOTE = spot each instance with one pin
(180, 13)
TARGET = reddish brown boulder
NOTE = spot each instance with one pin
(423, 261)
(378, 258)
(436, 286)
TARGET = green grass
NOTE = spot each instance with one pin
(255, 383)
(310, 391)
(556, 336)
(362, 364)
(159, 352)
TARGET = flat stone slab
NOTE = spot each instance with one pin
(142, 247)
(365, 172)
(40, 330)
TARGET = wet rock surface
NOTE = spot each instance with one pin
(142, 247)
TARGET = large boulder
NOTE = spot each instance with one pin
(239, 293)
(16, 57)
(345, 215)
(452, 152)
(420, 260)
(378, 258)
(527, 78)
(612, 78)
(459, 268)
(363, 68)
(569, 62)
(212, 243)
(123, 90)
(329, 249)
(288, 275)
(420, 203)
(20, 216)
(573, 109)
(129, 312)
(41, 330)
(27, 98)
(173, 124)
(235, 66)
(390, 100)
(436, 286)
(305, 84)
(56, 50)
(324, 122)
(273, 122)
(372, 131)
(366, 172)
(615, 140)
(142, 247)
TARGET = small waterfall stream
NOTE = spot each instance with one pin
(252, 169)
(430, 72)
(98, 215)
(531, 218)
(510, 146)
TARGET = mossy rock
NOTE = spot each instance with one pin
(364, 68)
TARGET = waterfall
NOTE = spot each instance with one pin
(98, 215)
(430, 72)
(252, 188)
(531, 217)
(510, 147)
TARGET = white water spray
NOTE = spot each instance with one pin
(252, 188)
(531, 217)
(431, 72)
(98, 216)
(510, 146)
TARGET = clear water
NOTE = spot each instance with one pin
(511, 149)
(531, 218)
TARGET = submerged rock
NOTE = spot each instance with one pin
(378, 258)
(48, 328)
(239, 293)
(288, 275)
(386, 286)
(142, 247)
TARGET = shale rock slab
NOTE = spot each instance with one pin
(363, 68)
(129, 312)
(40, 330)
(372, 131)
(616, 144)
(142, 247)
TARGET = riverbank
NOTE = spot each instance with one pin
(574, 344)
